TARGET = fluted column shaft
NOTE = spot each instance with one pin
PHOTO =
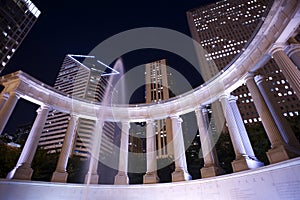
(92, 175)
(233, 127)
(245, 158)
(150, 147)
(123, 161)
(241, 127)
(282, 124)
(208, 150)
(289, 69)
(60, 174)
(211, 163)
(7, 109)
(181, 172)
(264, 113)
(151, 175)
(122, 178)
(178, 142)
(23, 168)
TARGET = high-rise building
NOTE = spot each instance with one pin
(224, 29)
(137, 141)
(77, 80)
(16, 19)
(158, 89)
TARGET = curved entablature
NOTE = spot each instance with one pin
(283, 19)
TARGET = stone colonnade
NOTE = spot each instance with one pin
(283, 142)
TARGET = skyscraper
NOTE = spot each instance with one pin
(158, 89)
(79, 81)
(16, 19)
(224, 29)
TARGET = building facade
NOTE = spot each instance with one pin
(158, 89)
(78, 81)
(224, 29)
(16, 19)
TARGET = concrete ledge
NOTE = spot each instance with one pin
(276, 181)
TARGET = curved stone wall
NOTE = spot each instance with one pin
(276, 182)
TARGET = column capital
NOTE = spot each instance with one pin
(100, 121)
(125, 124)
(150, 121)
(292, 48)
(173, 116)
(72, 115)
(276, 47)
(179, 119)
(224, 96)
(249, 76)
(14, 93)
(5, 95)
(259, 78)
(202, 109)
(232, 98)
(43, 107)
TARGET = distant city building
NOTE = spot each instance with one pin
(16, 19)
(224, 29)
(158, 89)
(79, 81)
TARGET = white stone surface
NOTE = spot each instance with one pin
(277, 181)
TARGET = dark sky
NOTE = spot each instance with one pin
(76, 27)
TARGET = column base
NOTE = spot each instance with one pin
(94, 178)
(21, 172)
(280, 153)
(60, 177)
(245, 163)
(180, 175)
(150, 178)
(121, 179)
(211, 171)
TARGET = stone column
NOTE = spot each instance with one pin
(122, 178)
(7, 109)
(211, 163)
(23, 168)
(293, 51)
(251, 159)
(241, 127)
(151, 174)
(180, 173)
(92, 176)
(282, 124)
(278, 151)
(61, 174)
(242, 161)
(289, 69)
(3, 99)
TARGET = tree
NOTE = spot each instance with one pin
(8, 158)
(225, 152)
(44, 165)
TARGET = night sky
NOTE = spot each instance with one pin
(76, 27)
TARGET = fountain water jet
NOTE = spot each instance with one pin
(114, 94)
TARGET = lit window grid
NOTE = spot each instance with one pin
(14, 27)
(75, 80)
(222, 45)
